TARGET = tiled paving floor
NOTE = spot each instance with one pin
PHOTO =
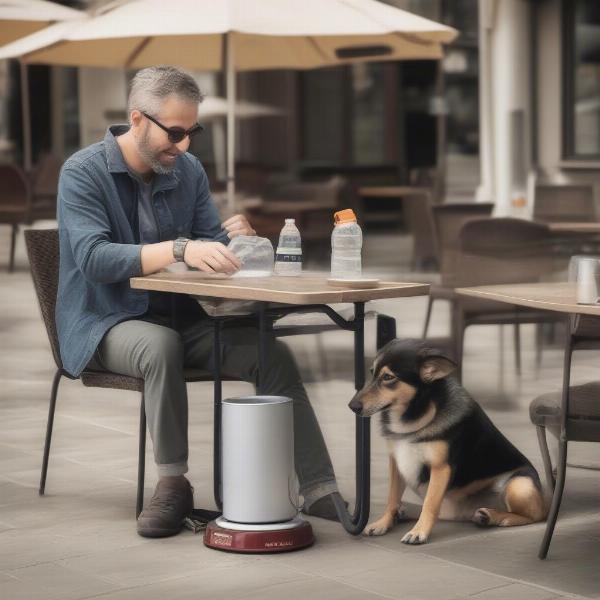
(79, 541)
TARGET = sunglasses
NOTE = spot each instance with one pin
(176, 134)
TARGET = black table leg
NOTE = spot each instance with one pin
(218, 392)
(265, 327)
(356, 522)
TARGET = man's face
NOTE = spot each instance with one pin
(153, 144)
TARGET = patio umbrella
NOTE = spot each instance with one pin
(238, 35)
(20, 18)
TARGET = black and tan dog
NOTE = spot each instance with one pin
(444, 447)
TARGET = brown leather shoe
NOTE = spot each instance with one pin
(172, 502)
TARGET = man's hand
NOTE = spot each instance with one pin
(237, 225)
(211, 257)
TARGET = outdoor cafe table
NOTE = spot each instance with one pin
(556, 297)
(574, 227)
(276, 297)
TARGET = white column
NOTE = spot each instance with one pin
(504, 103)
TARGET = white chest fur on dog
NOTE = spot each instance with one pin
(410, 459)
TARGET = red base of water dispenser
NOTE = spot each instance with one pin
(220, 537)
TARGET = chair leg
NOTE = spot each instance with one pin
(539, 345)
(543, 443)
(141, 460)
(458, 327)
(428, 316)
(517, 338)
(556, 498)
(49, 426)
(13, 243)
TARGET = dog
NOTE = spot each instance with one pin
(444, 447)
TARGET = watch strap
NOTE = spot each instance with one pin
(179, 248)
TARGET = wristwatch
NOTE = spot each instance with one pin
(179, 248)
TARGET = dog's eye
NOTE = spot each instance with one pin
(388, 377)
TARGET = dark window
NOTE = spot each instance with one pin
(346, 118)
(581, 79)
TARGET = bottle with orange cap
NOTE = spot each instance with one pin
(346, 246)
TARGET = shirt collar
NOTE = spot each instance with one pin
(116, 162)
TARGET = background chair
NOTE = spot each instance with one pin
(43, 253)
(44, 187)
(500, 251)
(570, 415)
(569, 203)
(15, 204)
(417, 209)
(447, 221)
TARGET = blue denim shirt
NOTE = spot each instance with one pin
(99, 239)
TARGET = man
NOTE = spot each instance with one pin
(131, 205)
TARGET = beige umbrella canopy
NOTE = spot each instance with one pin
(19, 18)
(237, 35)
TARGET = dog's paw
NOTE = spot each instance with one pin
(415, 537)
(482, 517)
(379, 527)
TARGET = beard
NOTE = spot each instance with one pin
(151, 156)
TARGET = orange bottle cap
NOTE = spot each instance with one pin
(344, 216)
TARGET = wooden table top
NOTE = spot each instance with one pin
(557, 297)
(305, 289)
(392, 191)
(573, 227)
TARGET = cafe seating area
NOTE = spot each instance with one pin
(79, 539)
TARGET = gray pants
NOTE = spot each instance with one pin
(152, 350)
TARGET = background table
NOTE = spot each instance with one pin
(306, 293)
(557, 297)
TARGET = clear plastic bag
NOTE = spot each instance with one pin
(257, 257)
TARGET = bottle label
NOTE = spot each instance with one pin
(288, 254)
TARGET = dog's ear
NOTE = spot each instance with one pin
(434, 365)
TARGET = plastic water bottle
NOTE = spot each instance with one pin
(346, 246)
(288, 258)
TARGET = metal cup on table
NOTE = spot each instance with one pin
(585, 271)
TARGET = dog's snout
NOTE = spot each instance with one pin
(355, 405)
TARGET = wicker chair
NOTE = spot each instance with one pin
(15, 204)
(570, 415)
(43, 253)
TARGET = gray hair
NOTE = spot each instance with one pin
(150, 87)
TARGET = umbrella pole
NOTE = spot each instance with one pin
(26, 117)
(229, 65)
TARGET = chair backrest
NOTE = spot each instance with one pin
(417, 212)
(14, 190)
(47, 172)
(503, 250)
(569, 203)
(448, 220)
(43, 252)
